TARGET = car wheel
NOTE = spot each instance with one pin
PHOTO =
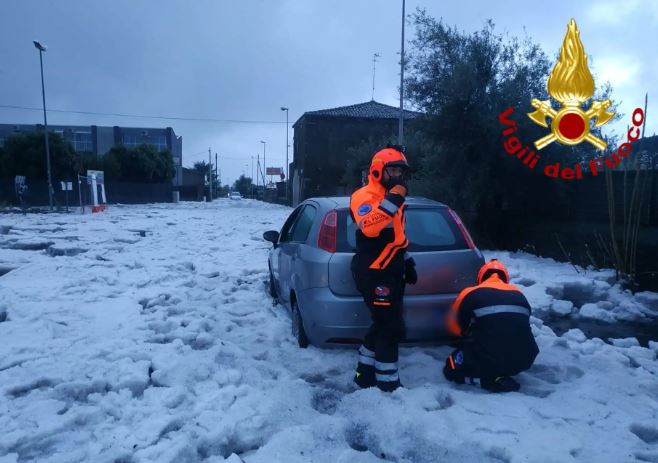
(272, 287)
(298, 326)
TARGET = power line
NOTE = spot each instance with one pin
(142, 116)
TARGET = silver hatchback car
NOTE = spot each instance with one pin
(310, 272)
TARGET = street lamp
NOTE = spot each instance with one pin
(41, 49)
(401, 117)
(287, 169)
(264, 166)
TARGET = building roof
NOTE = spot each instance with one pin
(371, 110)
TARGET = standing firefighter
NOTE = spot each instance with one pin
(495, 315)
(379, 266)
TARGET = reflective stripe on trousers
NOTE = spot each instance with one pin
(366, 356)
(484, 311)
(386, 371)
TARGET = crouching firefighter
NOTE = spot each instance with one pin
(381, 266)
(495, 316)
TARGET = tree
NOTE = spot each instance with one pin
(244, 185)
(462, 82)
(418, 146)
(25, 154)
(143, 164)
(202, 168)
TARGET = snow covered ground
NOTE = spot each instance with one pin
(145, 334)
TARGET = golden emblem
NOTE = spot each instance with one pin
(571, 84)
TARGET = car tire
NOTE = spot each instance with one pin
(273, 293)
(298, 326)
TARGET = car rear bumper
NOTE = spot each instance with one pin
(331, 320)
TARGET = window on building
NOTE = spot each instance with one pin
(130, 141)
(157, 141)
(82, 142)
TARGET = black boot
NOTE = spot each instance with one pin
(500, 384)
(388, 386)
(365, 376)
(453, 375)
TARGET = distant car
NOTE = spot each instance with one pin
(309, 267)
(235, 195)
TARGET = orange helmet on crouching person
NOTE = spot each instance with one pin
(491, 267)
(391, 156)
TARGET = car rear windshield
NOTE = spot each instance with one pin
(427, 229)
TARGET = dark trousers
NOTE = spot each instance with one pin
(469, 365)
(382, 291)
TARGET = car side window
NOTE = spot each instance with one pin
(287, 226)
(303, 224)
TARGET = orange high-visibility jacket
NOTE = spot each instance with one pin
(491, 293)
(496, 316)
(380, 238)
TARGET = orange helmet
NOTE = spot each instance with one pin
(388, 157)
(491, 267)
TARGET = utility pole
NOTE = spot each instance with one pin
(252, 176)
(216, 165)
(374, 64)
(257, 173)
(41, 49)
(264, 165)
(401, 119)
(210, 172)
(287, 164)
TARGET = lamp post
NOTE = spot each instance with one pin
(41, 49)
(401, 119)
(264, 166)
(287, 168)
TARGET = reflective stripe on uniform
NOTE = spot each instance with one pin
(388, 207)
(484, 311)
(363, 350)
(386, 366)
(387, 378)
(366, 356)
(365, 360)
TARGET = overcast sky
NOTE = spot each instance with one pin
(242, 60)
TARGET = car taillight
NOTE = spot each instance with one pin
(462, 228)
(328, 232)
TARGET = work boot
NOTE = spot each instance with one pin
(500, 384)
(453, 375)
(365, 376)
(388, 386)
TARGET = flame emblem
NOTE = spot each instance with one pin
(572, 84)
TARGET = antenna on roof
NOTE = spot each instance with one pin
(374, 65)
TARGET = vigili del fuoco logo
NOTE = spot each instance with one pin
(572, 85)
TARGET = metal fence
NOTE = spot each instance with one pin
(117, 192)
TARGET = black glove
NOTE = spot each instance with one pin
(397, 190)
(410, 275)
